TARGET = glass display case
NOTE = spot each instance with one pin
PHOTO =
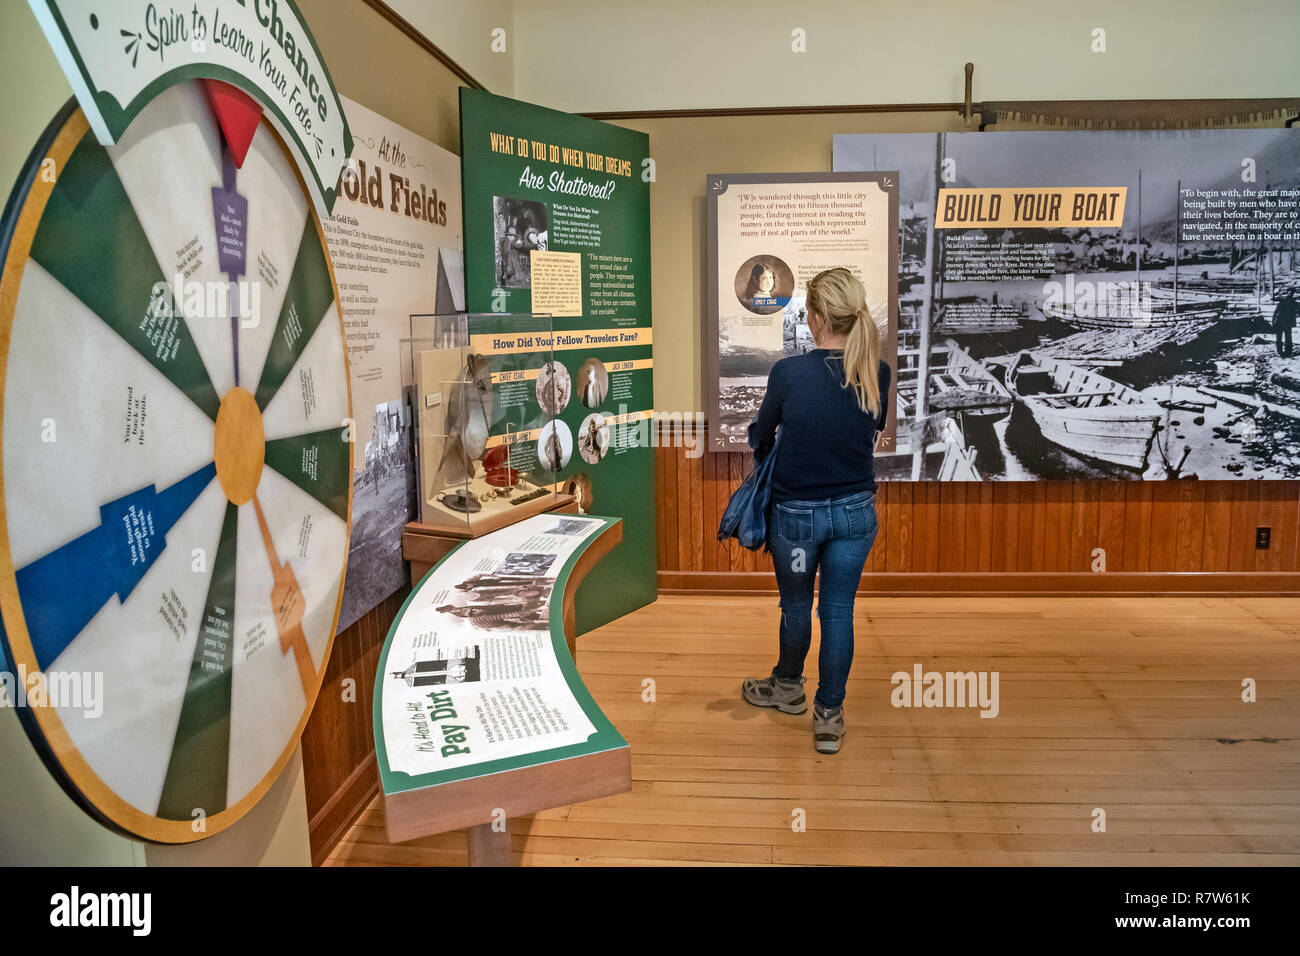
(486, 393)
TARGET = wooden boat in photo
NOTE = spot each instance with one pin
(958, 463)
(1130, 316)
(947, 457)
(1203, 289)
(1085, 412)
(1218, 283)
(1130, 312)
(1237, 305)
(1100, 347)
(958, 383)
(965, 384)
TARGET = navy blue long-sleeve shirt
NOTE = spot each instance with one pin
(827, 440)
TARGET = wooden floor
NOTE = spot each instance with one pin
(1131, 705)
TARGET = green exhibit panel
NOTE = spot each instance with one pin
(478, 705)
(557, 222)
(176, 462)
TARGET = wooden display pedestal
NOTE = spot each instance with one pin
(424, 545)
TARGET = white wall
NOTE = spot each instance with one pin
(41, 826)
(585, 56)
(39, 823)
(463, 30)
(32, 88)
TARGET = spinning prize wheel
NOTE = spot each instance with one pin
(176, 466)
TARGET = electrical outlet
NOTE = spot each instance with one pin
(1262, 538)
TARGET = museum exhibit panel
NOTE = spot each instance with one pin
(375, 376)
(557, 222)
(480, 714)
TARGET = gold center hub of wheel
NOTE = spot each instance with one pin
(239, 445)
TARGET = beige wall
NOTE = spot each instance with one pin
(581, 56)
(39, 823)
(32, 88)
(463, 30)
(41, 826)
(373, 63)
(683, 54)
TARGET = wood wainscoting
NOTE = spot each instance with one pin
(1022, 537)
(338, 744)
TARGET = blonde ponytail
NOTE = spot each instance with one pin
(862, 361)
(838, 297)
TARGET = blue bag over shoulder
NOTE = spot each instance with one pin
(746, 516)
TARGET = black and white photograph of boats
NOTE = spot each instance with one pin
(1159, 349)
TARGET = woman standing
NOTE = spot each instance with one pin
(831, 404)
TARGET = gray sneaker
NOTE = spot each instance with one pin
(786, 696)
(828, 729)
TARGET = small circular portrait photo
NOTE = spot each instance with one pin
(764, 284)
(554, 445)
(593, 383)
(579, 486)
(553, 388)
(593, 438)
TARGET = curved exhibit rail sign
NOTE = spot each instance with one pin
(175, 464)
(475, 677)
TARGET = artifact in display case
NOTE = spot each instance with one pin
(487, 393)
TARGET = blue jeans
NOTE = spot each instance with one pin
(834, 535)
